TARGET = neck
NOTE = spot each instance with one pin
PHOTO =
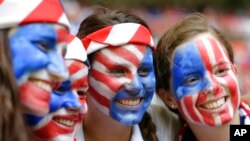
(220, 133)
(101, 127)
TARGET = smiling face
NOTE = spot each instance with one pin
(122, 82)
(67, 106)
(38, 64)
(204, 82)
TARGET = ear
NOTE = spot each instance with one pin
(167, 98)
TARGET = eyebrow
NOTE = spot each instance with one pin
(221, 63)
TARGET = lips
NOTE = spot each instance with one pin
(69, 120)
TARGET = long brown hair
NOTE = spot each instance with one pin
(11, 121)
(102, 18)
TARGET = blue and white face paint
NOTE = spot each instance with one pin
(38, 63)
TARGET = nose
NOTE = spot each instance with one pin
(134, 86)
(57, 67)
(72, 103)
(211, 85)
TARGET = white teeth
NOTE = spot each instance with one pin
(130, 102)
(43, 86)
(214, 104)
(65, 122)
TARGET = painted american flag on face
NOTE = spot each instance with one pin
(67, 104)
(204, 82)
(121, 75)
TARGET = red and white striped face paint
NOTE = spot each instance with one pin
(204, 82)
(122, 82)
(122, 79)
(79, 80)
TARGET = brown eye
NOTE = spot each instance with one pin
(143, 72)
(81, 93)
(191, 81)
(118, 72)
(43, 46)
(221, 72)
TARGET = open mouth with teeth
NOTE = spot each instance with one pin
(129, 103)
(65, 122)
(35, 96)
(214, 104)
(42, 85)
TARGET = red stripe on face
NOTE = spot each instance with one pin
(190, 107)
(53, 129)
(120, 52)
(216, 48)
(233, 89)
(107, 80)
(80, 83)
(128, 55)
(99, 98)
(75, 66)
(51, 14)
(218, 55)
(225, 115)
(204, 55)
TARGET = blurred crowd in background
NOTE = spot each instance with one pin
(233, 20)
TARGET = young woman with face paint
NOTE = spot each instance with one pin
(67, 104)
(37, 37)
(196, 74)
(121, 77)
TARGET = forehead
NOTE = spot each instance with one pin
(203, 47)
(131, 53)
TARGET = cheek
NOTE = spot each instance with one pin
(82, 100)
(149, 83)
(80, 83)
(112, 83)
